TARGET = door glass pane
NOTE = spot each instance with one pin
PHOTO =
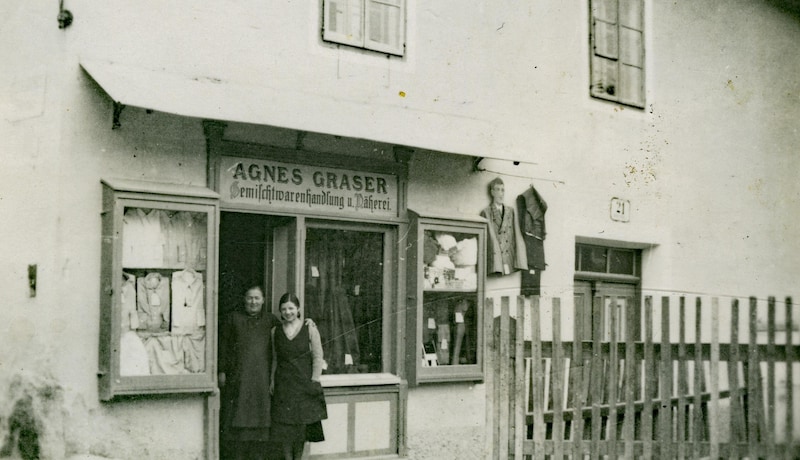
(344, 295)
(593, 259)
(621, 262)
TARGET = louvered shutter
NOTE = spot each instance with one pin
(605, 50)
(343, 22)
(384, 24)
(631, 65)
(617, 42)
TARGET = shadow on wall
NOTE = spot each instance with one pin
(30, 418)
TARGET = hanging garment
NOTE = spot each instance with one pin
(188, 305)
(132, 354)
(130, 318)
(506, 248)
(165, 354)
(143, 238)
(153, 301)
(532, 208)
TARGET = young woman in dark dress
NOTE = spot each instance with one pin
(298, 402)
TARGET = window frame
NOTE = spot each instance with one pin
(390, 323)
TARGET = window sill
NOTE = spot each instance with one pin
(352, 380)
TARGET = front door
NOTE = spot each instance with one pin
(621, 295)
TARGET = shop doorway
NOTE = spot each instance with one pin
(254, 250)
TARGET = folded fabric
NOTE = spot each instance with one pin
(466, 252)
(443, 261)
(446, 241)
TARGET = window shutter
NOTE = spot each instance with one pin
(384, 23)
(617, 43)
(343, 22)
(631, 43)
(605, 49)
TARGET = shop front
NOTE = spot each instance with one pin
(327, 231)
(396, 295)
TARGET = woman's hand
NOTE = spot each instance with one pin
(310, 322)
(221, 379)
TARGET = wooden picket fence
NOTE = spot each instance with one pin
(648, 384)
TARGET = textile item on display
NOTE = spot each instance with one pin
(143, 239)
(506, 248)
(153, 302)
(466, 252)
(532, 208)
(157, 238)
(132, 353)
(188, 305)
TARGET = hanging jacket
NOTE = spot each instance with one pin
(532, 208)
(506, 248)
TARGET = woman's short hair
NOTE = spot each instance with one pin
(290, 297)
(255, 286)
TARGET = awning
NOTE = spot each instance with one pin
(209, 98)
(215, 99)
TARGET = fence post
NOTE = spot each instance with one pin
(578, 381)
(713, 409)
(519, 380)
(596, 381)
(789, 380)
(650, 388)
(630, 379)
(489, 360)
(736, 428)
(613, 368)
(505, 358)
(557, 365)
(537, 392)
(664, 414)
(697, 386)
(682, 390)
(771, 412)
(755, 402)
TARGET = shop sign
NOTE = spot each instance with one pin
(275, 185)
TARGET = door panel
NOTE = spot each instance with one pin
(621, 295)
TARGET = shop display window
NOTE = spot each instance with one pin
(445, 277)
(157, 280)
(345, 274)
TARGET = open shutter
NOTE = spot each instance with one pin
(605, 49)
(617, 43)
(343, 22)
(631, 43)
(384, 23)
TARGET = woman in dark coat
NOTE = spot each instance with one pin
(298, 401)
(244, 377)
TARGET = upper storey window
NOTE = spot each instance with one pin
(617, 53)
(377, 25)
